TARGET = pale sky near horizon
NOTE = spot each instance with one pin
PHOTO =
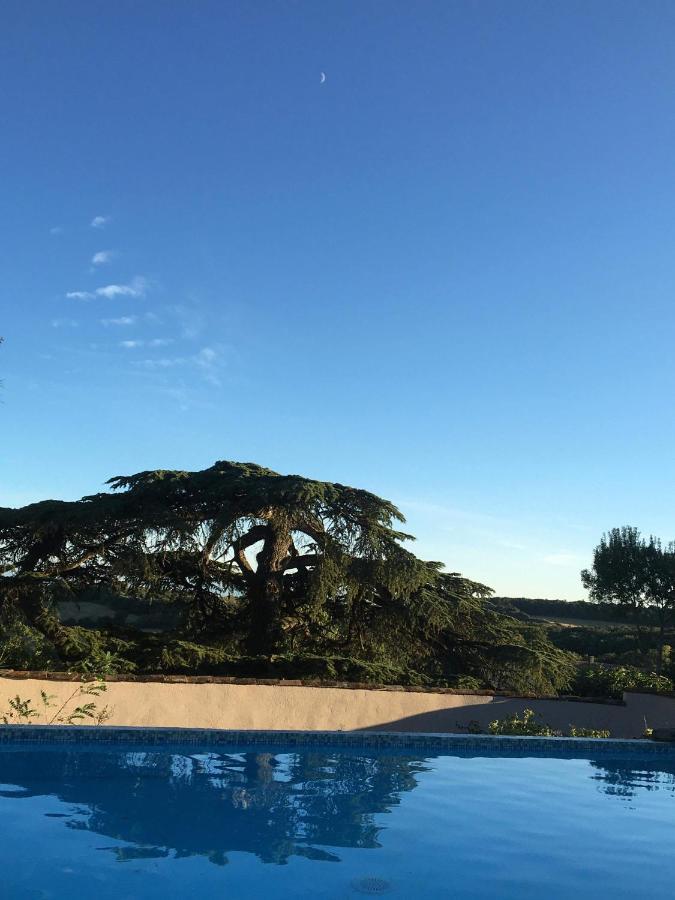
(445, 274)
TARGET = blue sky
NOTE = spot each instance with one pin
(446, 274)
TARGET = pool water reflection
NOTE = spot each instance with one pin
(105, 821)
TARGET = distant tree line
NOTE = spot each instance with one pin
(541, 608)
(637, 575)
(630, 615)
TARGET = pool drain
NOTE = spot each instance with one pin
(370, 885)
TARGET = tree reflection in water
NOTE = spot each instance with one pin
(175, 804)
(626, 778)
(156, 804)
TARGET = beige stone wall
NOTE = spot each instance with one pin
(278, 707)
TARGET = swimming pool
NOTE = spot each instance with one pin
(134, 813)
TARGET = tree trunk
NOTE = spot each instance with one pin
(266, 590)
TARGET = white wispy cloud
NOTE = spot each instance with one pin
(207, 356)
(122, 320)
(57, 229)
(208, 362)
(164, 362)
(64, 323)
(116, 290)
(189, 318)
(102, 257)
(154, 342)
(180, 395)
(100, 221)
(508, 544)
(137, 287)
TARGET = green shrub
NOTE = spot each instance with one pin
(612, 681)
(178, 657)
(466, 683)
(578, 731)
(21, 711)
(100, 663)
(23, 647)
(522, 725)
(526, 725)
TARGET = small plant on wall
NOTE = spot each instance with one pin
(577, 731)
(75, 709)
(527, 725)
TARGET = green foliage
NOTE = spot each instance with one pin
(614, 636)
(70, 712)
(612, 681)
(606, 644)
(578, 731)
(526, 724)
(267, 574)
(184, 657)
(474, 727)
(540, 608)
(636, 574)
(100, 663)
(23, 647)
(20, 712)
(466, 683)
(529, 724)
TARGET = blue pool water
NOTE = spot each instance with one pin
(135, 821)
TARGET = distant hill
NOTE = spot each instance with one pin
(561, 610)
(605, 632)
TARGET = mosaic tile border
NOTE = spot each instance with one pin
(59, 735)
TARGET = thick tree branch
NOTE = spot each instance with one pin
(257, 533)
(89, 554)
(297, 562)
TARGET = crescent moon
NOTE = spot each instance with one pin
(323, 78)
